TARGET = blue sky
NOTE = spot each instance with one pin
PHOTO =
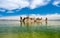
(42, 7)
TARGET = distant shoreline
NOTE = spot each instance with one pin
(19, 20)
(8, 20)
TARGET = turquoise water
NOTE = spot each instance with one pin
(15, 29)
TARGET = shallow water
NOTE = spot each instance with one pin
(15, 29)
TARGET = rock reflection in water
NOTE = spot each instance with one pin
(30, 30)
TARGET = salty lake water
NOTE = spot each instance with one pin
(15, 29)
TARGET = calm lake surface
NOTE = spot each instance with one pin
(15, 29)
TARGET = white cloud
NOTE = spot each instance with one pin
(32, 4)
(37, 3)
(13, 4)
(19, 4)
(49, 16)
(56, 3)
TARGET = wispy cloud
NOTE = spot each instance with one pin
(2, 10)
(10, 17)
(19, 4)
(49, 16)
(56, 3)
(55, 16)
(10, 11)
(13, 17)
